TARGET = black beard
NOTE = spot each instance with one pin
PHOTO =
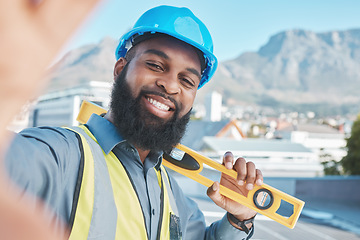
(141, 128)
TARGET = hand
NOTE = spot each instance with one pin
(247, 176)
(31, 33)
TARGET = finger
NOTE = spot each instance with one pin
(51, 15)
(240, 168)
(228, 160)
(35, 2)
(259, 177)
(214, 194)
(69, 6)
(251, 175)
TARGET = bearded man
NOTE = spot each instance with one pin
(105, 179)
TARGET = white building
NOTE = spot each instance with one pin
(319, 138)
(213, 105)
(278, 158)
(61, 108)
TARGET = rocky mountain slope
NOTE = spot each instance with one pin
(294, 68)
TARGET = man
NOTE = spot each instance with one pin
(105, 179)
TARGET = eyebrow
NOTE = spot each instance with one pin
(194, 71)
(165, 56)
(157, 52)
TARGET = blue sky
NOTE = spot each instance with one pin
(237, 26)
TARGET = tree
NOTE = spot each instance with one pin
(331, 166)
(351, 162)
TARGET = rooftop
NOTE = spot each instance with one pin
(311, 128)
(254, 144)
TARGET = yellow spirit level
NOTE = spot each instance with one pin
(263, 199)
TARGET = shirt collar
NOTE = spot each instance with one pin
(108, 137)
(105, 132)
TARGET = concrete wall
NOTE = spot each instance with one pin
(329, 188)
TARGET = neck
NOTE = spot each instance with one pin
(142, 153)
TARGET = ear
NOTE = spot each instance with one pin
(119, 66)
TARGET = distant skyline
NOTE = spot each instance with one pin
(237, 26)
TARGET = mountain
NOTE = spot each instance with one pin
(294, 68)
(88, 63)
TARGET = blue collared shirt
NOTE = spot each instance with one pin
(44, 161)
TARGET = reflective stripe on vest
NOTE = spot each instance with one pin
(106, 205)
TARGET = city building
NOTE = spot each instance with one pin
(213, 106)
(280, 158)
(61, 108)
(198, 129)
(273, 156)
(321, 139)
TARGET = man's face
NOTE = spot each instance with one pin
(169, 70)
(154, 92)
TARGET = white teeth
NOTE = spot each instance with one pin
(158, 104)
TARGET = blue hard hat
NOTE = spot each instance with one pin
(177, 22)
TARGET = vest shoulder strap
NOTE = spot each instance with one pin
(83, 202)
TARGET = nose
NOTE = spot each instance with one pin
(169, 84)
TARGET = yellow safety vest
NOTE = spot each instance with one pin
(128, 216)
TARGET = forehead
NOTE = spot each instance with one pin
(166, 43)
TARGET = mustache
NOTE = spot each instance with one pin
(178, 106)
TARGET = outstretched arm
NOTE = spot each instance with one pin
(31, 33)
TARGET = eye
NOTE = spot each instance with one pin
(155, 66)
(187, 82)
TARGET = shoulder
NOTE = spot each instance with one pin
(42, 155)
(46, 132)
(42, 144)
(49, 136)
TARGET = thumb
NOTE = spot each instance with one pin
(214, 194)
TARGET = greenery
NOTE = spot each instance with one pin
(351, 162)
(331, 166)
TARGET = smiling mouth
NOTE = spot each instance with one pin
(159, 105)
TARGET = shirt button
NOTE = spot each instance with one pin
(153, 211)
(130, 149)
